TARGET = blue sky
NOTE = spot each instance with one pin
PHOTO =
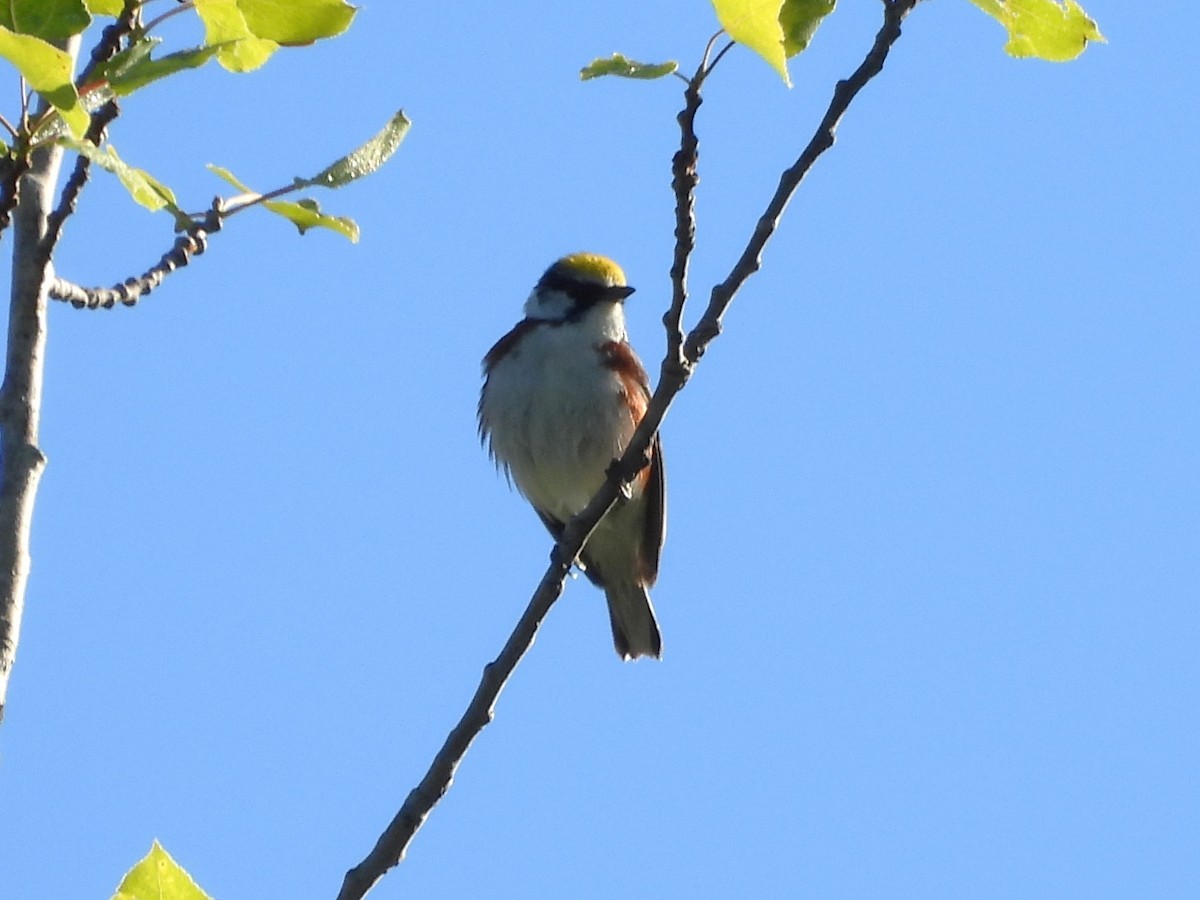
(929, 596)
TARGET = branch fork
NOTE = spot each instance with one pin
(683, 352)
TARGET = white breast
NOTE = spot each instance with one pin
(555, 414)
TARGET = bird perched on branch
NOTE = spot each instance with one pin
(562, 395)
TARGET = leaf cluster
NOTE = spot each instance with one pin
(241, 35)
(777, 30)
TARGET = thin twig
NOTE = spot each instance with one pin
(709, 326)
(155, 22)
(392, 845)
(131, 290)
(684, 179)
(110, 40)
(720, 53)
(708, 48)
(101, 119)
(235, 205)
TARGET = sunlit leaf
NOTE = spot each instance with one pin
(293, 22)
(1044, 29)
(799, 20)
(238, 48)
(51, 20)
(306, 214)
(225, 174)
(134, 53)
(158, 877)
(147, 190)
(755, 24)
(48, 71)
(624, 67)
(131, 74)
(105, 7)
(366, 159)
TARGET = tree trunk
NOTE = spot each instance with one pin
(21, 460)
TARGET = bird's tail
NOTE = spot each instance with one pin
(634, 627)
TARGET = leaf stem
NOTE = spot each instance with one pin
(721, 53)
(712, 42)
(158, 20)
(239, 206)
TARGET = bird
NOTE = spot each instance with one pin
(563, 392)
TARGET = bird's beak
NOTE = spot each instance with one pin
(618, 294)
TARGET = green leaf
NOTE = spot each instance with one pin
(799, 20)
(245, 54)
(624, 67)
(51, 20)
(306, 214)
(296, 22)
(134, 53)
(228, 176)
(366, 159)
(238, 49)
(126, 74)
(158, 877)
(48, 71)
(105, 7)
(142, 186)
(1045, 29)
(755, 24)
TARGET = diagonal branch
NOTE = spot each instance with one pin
(67, 201)
(709, 326)
(392, 845)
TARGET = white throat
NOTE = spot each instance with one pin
(602, 322)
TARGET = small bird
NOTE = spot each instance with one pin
(563, 392)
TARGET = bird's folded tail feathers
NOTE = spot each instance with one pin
(634, 627)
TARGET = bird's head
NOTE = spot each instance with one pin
(575, 284)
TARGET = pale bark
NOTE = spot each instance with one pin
(21, 459)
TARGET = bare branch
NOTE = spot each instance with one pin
(131, 290)
(392, 844)
(709, 326)
(389, 850)
(101, 119)
(684, 179)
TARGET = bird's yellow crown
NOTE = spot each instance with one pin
(592, 267)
